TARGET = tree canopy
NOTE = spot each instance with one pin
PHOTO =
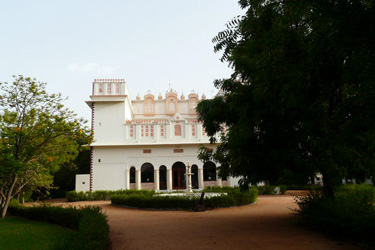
(302, 95)
(38, 134)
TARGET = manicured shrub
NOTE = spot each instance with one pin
(91, 224)
(304, 187)
(226, 189)
(220, 201)
(350, 214)
(269, 189)
(103, 194)
(155, 202)
(283, 189)
(93, 230)
(232, 197)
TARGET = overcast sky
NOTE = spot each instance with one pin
(149, 43)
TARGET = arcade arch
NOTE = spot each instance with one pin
(209, 171)
(163, 177)
(132, 175)
(178, 175)
(147, 173)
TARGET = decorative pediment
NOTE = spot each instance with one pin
(177, 117)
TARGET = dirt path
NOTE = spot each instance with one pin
(268, 224)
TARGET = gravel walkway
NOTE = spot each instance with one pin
(268, 224)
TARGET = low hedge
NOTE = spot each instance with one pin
(304, 187)
(233, 198)
(269, 189)
(155, 202)
(90, 222)
(103, 194)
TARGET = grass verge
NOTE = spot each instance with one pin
(21, 233)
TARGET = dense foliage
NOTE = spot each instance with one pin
(90, 222)
(37, 135)
(301, 99)
(64, 179)
(232, 197)
(349, 215)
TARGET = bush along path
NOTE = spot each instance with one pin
(349, 215)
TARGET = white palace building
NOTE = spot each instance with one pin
(145, 143)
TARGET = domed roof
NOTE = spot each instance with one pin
(193, 95)
(149, 95)
(170, 94)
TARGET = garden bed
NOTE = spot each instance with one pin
(180, 201)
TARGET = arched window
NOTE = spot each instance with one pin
(209, 171)
(147, 172)
(132, 175)
(117, 88)
(101, 88)
(177, 130)
(149, 104)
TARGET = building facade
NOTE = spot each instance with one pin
(145, 143)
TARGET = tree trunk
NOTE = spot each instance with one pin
(9, 197)
(328, 187)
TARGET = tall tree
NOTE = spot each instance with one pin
(302, 95)
(37, 135)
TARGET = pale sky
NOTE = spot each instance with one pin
(150, 44)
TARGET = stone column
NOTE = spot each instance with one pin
(200, 178)
(127, 179)
(156, 179)
(138, 178)
(218, 180)
(169, 179)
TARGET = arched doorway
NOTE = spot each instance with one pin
(194, 177)
(163, 178)
(178, 175)
(147, 173)
(209, 171)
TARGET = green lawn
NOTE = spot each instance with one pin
(19, 233)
